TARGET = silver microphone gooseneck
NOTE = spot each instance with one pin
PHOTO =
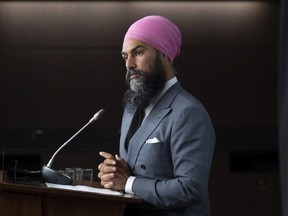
(52, 176)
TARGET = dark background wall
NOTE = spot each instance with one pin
(60, 62)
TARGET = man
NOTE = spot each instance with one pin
(166, 162)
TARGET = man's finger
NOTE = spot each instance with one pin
(106, 155)
(119, 158)
(107, 177)
(107, 169)
(108, 185)
(110, 161)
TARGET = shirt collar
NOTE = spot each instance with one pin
(168, 85)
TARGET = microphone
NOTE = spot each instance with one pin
(52, 176)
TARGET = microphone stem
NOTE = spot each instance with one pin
(79, 131)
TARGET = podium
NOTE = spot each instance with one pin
(37, 200)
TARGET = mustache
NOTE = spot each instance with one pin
(131, 72)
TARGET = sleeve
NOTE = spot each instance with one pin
(128, 185)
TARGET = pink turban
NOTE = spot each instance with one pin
(158, 32)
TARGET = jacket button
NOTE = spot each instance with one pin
(143, 166)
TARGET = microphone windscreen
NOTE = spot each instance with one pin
(98, 115)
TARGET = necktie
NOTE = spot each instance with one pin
(135, 124)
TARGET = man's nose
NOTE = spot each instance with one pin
(130, 63)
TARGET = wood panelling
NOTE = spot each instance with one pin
(60, 61)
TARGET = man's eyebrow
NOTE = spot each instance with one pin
(132, 50)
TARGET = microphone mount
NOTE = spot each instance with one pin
(52, 176)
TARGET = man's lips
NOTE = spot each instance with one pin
(134, 76)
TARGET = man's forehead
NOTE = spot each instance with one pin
(131, 44)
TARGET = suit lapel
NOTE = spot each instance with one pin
(143, 133)
(159, 111)
(126, 122)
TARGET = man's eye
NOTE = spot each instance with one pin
(139, 53)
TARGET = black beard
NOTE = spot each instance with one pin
(146, 88)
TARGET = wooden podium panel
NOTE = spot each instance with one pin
(74, 207)
(13, 204)
(27, 200)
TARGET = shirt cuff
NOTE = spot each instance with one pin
(128, 185)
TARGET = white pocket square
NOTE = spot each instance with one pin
(154, 140)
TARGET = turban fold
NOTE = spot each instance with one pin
(158, 32)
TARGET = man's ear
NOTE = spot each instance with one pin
(164, 58)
